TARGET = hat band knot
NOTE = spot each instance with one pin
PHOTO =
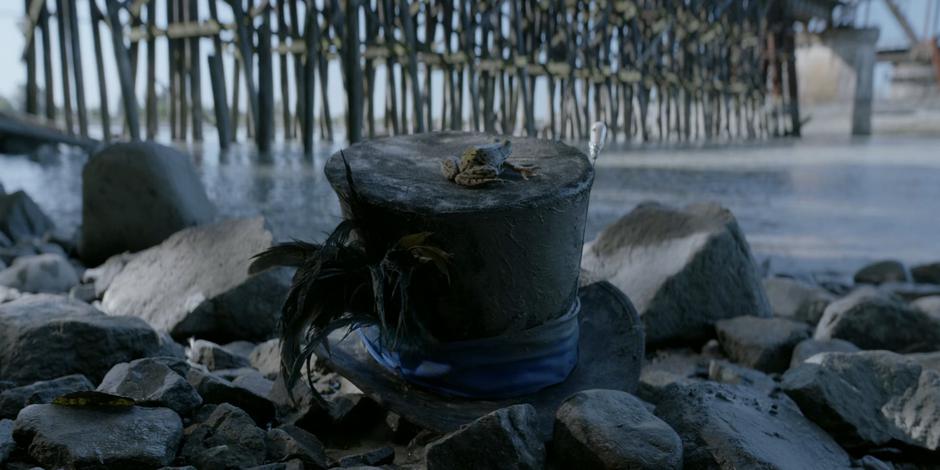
(505, 366)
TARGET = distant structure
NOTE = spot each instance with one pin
(654, 70)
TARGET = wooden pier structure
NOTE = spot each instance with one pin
(654, 70)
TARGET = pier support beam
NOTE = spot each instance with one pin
(857, 48)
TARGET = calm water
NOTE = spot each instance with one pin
(809, 206)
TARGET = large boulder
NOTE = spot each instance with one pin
(152, 382)
(610, 429)
(15, 399)
(797, 300)
(21, 219)
(228, 438)
(811, 347)
(926, 273)
(135, 195)
(728, 426)
(881, 272)
(90, 437)
(871, 320)
(765, 344)
(506, 438)
(196, 283)
(49, 273)
(869, 398)
(44, 336)
(684, 269)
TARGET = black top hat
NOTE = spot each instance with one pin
(506, 322)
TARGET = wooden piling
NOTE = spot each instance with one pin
(124, 71)
(62, 23)
(264, 133)
(222, 122)
(96, 18)
(195, 75)
(48, 80)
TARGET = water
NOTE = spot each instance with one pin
(820, 204)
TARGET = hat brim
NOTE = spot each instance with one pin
(610, 355)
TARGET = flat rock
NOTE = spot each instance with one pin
(87, 437)
(150, 381)
(290, 442)
(811, 347)
(15, 399)
(135, 195)
(228, 438)
(683, 269)
(926, 273)
(213, 356)
(506, 438)
(609, 429)
(729, 426)
(765, 344)
(47, 336)
(869, 398)
(196, 284)
(871, 320)
(881, 272)
(21, 219)
(797, 300)
(49, 273)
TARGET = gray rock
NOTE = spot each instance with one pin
(728, 373)
(295, 464)
(881, 272)
(216, 390)
(46, 336)
(797, 300)
(929, 360)
(169, 347)
(7, 444)
(929, 305)
(909, 291)
(151, 382)
(255, 382)
(926, 273)
(213, 356)
(871, 320)
(684, 269)
(372, 458)
(50, 273)
(102, 276)
(811, 347)
(21, 219)
(135, 195)
(85, 437)
(506, 438)
(609, 429)
(869, 398)
(290, 442)
(15, 399)
(668, 366)
(83, 292)
(765, 344)
(266, 357)
(729, 426)
(196, 284)
(8, 294)
(228, 438)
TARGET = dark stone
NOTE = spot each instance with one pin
(21, 219)
(609, 429)
(811, 347)
(52, 274)
(909, 291)
(46, 337)
(871, 320)
(506, 438)
(728, 373)
(228, 438)
(290, 442)
(765, 344)
(86, 437)
(135, 195)
(295, 464)
(15, 399)
(196, 284)
(7, 444)
(926, 273)
(667, 366)
(216, 390)
(403, 430)
(214, 357)
(373, 458)
(869, 398)
(797, 300)
(881, 272)
(684, 269)
(301, 407)
(151, 382)
(729, 426)
(169, 347)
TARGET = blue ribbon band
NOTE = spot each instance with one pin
(489, 368)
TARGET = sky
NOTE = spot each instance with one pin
(12, 39)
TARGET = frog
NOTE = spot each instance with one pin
(482, 164)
